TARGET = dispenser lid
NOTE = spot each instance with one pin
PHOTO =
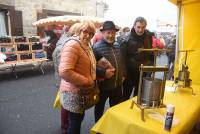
(170, 108)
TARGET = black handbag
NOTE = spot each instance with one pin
(89, 97)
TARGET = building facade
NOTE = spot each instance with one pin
(17, 16)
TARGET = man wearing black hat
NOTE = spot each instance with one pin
(110, 87)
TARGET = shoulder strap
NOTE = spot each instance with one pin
(71, 38)
(91, 56)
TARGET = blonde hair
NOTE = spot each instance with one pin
(74, 29)
(89, 25)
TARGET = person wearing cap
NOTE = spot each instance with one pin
(138, 38)
(110, 86)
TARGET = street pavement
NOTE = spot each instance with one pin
(26, 105)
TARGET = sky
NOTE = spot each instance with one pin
(124, 12)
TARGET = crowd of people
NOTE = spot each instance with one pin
(76, 58)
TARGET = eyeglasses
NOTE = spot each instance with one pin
(87, 32)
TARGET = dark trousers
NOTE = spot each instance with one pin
(132, 81)
(115, 97)
(64, 120)
(170, 75)
(74, 124)
(171, 68)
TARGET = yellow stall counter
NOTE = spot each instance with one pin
(121, 119)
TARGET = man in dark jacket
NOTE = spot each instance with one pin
(51, 43)
(139, 37)
(171, 58)
(110, 87)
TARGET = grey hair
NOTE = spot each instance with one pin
(141, 20)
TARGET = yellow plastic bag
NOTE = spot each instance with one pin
(57, 101)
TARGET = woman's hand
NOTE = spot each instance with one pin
(91, 83)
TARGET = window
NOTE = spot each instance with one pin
(2, 24)
(10, 21)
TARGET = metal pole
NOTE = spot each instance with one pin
(96, 8)
(9, 24)
(140, 85)
(179, 3)
(186, 57)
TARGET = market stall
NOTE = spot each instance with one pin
(54, 25)
(121, 119)
(185, 99)
(188, 36)
(21, 53)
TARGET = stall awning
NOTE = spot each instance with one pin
(68, 20)
(189, 36)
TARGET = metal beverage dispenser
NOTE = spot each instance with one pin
(151, 89)
(183, 80)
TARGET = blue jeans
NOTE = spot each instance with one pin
(74, 124)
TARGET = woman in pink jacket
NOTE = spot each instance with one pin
(77, 70)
